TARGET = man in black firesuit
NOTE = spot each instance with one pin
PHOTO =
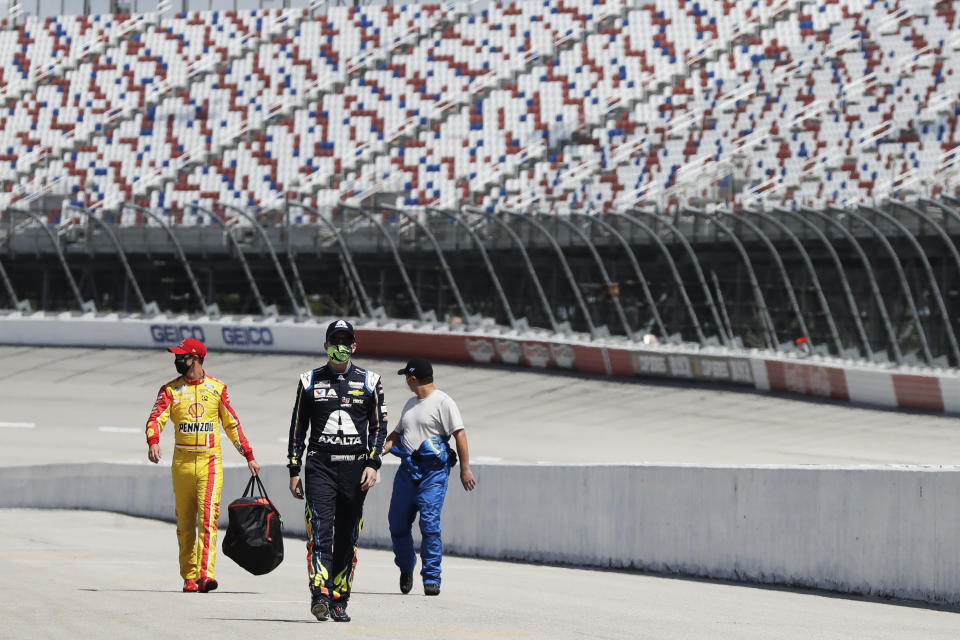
(342, 406)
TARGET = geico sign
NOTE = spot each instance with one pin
(164, 333)
(257, 336)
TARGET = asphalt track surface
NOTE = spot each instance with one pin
(90, 574)
(65, 574)
(75, 405)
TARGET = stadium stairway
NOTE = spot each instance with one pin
(808, 110)
(323, 86)
(531, 64)
(806, 103)
(116, 30)
(161, 90)
(368, 151)
(655, 85)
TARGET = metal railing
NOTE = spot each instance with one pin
(869, 283)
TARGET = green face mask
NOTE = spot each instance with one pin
(339, 353)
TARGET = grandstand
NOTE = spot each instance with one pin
(554, 105)
(744, 174)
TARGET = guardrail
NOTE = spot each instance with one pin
(879, 531)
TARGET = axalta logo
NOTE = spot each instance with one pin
(254, 336)
(174, 333)
(341, 440)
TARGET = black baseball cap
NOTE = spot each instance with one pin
(419, 368)
(338, 326)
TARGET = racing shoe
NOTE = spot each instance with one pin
(319, 607)
(190, 586)
(406, 582)
(338, 612)
(206, 585)
(431, 589)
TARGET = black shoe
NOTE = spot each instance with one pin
(338, 612)
(319, 607)
(406, 582)
(431, 589)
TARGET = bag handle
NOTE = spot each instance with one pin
(249, 491)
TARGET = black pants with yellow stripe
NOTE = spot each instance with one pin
(334, 517)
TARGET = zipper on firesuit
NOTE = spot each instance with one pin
(341, 395)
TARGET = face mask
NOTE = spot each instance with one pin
(339, 353)
(181, 365)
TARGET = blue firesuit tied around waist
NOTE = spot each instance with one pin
(433, 453)
(420, 485)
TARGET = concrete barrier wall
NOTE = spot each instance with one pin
(882, 531)
(886, 531)
(847, 380)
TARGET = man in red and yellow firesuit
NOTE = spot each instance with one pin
(195, 402)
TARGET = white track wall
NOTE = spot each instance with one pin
(846, 380)
(881, 531)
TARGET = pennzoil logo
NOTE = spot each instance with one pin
(195, 427)
(195, 410)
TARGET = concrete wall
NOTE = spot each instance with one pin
(858, 381)
(883, 531)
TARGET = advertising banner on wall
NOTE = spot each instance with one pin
(867, 384)
(693, 367)
(807, 379)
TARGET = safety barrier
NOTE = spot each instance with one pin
(883, 531)
(816, 376)
(879, 531)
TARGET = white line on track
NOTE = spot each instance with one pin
(120, 429)
(17, 425)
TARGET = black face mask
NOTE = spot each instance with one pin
(180, 362)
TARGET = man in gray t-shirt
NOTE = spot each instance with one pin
(421, 440)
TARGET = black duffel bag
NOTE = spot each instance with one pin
(254, 538)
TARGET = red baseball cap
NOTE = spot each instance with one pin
(189, 345)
